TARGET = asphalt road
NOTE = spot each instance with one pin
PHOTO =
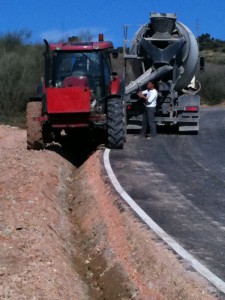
(179, 181)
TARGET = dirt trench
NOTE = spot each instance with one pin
(66, 234)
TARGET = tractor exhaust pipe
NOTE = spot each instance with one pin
(47, 64)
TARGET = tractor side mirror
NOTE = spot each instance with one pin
(202, 64)
(115, 53)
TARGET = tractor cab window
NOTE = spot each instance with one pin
(75, 64)
(107, 72)
(67, 64)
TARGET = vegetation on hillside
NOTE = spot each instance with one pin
(21, 69)
(213, 76)
(212, 84)
(206, 42)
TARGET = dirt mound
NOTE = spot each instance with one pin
(65, 234)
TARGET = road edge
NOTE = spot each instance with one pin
(192, 261)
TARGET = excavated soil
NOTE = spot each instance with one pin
(66, 234)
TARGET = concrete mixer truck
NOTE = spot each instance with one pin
(164, 51)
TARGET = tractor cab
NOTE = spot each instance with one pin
(77, 64)
(79, 91)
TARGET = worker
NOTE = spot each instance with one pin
(150, 97)
(80, 66)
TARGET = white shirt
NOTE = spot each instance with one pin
(152, 97)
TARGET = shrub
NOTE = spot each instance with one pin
(21, 67)
(18, 79)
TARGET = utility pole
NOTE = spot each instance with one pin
(202, 59)
(197, 31)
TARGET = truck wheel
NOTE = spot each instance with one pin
(115, 124)
(34, 128)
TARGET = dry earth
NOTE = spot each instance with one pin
(65, 234)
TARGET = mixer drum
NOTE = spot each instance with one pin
(165, 42)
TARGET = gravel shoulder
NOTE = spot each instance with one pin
(66, 234)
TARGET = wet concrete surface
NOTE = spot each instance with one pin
(179, 180)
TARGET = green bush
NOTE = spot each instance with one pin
(21, 67)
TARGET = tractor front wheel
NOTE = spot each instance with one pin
(34, 127)
(115, 123)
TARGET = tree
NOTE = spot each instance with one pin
(204, 38)
(206, 42)
(85, 36)
(73, 39)
(12, 40)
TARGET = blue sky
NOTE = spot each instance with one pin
(52, 19)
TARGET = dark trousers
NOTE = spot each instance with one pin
(148, 121)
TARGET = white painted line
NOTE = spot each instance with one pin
(216, 281)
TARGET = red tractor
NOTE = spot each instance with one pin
(79, 90)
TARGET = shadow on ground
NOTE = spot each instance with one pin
(77, 146)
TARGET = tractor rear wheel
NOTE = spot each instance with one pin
(34, 127)
(115, 123)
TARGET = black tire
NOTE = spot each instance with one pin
(125, 120)
(115, 123)
(34, 128)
